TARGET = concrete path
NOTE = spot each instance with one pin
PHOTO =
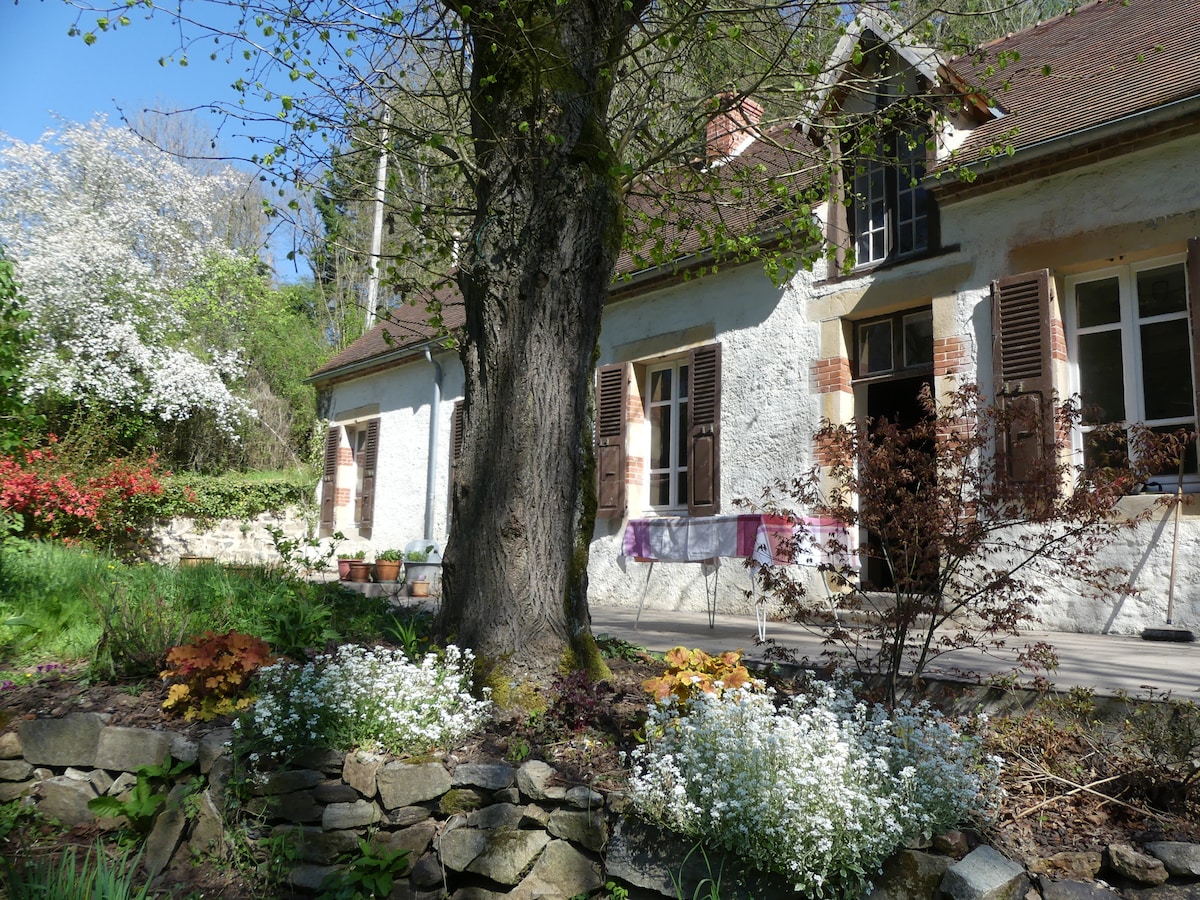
(1105, 663)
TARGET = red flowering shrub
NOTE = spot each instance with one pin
(55, 502)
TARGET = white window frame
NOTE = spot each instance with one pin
(678, 505)
(1131, 349)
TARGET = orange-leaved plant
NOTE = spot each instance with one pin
(212, 674)
(690, 672)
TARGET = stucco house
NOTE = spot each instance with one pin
(1038, 237)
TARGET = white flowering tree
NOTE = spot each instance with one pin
(106, 232)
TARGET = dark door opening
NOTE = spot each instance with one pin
(898, 401)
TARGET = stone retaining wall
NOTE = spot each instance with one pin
(480, 830)
(231, 541)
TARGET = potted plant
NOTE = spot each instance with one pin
(387, 565)
(344, 559)
(420, 571)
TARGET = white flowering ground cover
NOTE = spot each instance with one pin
(821, 791)
(365, 698)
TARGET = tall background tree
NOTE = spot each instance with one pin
(152, 325)
(541, 119)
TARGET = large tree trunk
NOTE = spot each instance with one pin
(534, 275)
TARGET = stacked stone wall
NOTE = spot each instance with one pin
(479, 830)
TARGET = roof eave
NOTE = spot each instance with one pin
(380, 361)
(1167, 112)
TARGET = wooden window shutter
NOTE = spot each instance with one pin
(329, 479)
(610, 440)
(1023, 369)
(1193, 290)
(704, 435)
(370, 458)
(457, 429)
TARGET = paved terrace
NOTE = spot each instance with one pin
(1105, 663)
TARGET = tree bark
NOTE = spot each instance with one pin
(534, 275)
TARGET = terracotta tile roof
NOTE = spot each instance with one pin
(674, 215)
(394, 340)
(1097, 64)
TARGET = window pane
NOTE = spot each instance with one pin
(683, 388)
(1101, 378)
(1167, 370)
(1189, 455)
(878, 249)
(875, 347)
(660, 437)
(1106, 450)
(1098, 302)
(660, 489)
(1161, 291)
(682, 495)
(862, 249)
(918, 339)
(660, 385)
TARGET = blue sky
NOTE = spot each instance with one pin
(44, 71)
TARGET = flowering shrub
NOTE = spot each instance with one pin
(58, 503)
(821, 791)
(373, 699)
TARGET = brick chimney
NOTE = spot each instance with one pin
(731, 130)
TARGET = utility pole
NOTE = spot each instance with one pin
(373, 273)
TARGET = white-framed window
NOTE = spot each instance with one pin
(890, 209)
(1129, 342)
(667, 420)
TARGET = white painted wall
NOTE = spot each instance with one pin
(404, 394)
(768, 411)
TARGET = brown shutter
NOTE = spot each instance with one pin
(1193, 289)
(370, 457)
(704, 443)
(610, 440)
(1023, 368)
(457, 429)
(329, 479)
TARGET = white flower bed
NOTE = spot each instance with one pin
(374, 699)
(822, 791)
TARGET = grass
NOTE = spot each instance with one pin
(70, 604)
(95, 876)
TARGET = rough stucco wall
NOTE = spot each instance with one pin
(1130, 207)
(404, 395)
(768, 404)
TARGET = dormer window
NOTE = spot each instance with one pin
(889, 210)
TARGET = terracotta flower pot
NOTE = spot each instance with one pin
(359, 570)
(387, 569)
(419, 589)
(344, 568)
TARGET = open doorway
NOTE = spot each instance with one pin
(894, 363)
(897, 402)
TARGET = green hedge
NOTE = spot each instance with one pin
(208, 498)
